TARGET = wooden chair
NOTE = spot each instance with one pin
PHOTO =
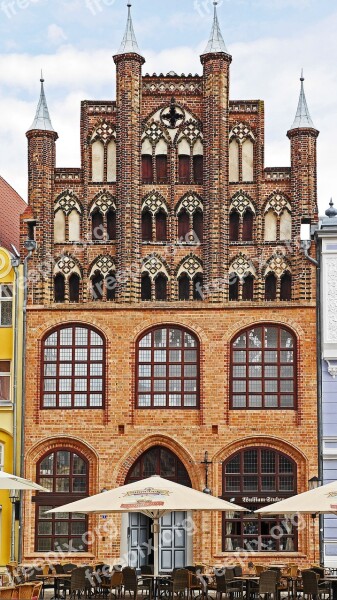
(28, 591)
(268, 584)
(131, 583)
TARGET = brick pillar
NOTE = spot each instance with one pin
(303, 143)
(41, 171)
(216, 171)
(129, 97)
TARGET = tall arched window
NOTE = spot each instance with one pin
(234, 226)
(285, 286)
(167, 369)
(147, 235)
(160, 285)
(270, 289)
(97, 225)
(59, 288)
(74, 287)
(248, 287)
(146, 287)
(161, 229)
(198, 225)
(183, 225)
(263, 368)
(66, 475)
(111, 224)
(73, 368)
(247, 226)
(258, 473)
(97, 286)
(184, 287)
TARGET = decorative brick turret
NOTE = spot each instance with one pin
(41, 168)
(216, 62)
(303, 139)
(129, 76)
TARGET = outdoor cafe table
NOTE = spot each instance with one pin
(333, 580)
(155, 579)
(57, 577)
(248, 579)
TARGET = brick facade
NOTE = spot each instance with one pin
(112, 437)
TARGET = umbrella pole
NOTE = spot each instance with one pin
(155, 530)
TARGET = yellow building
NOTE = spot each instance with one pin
(11, 303)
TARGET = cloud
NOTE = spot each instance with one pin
(56, 34)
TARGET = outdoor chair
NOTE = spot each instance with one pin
(28, 591)
(282, 583)
(226, 585)
(80, 582)
(6, 593)
(69, 567)
(311, 588)
(113, 587)
(131, 583)
(149, 582)
(268, 584)
(181, 583)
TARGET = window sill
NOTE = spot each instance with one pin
(296, 554)
(6, 404)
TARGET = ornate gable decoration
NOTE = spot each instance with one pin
(241, 265)
(103, 201)
(104, 131)
(190, 265)
(191, 131)
(240, 203)
(103, 264)
(191, 202)
(154, 265)
(241, 132)
(278, 202)
(66, 265)
(154, 132)
(67, 201)
(277, 264)
(173, 116)
(154, 202)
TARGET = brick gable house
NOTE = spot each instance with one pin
(171, 312)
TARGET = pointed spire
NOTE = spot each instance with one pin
(42, 120)
(302, 119)
(129, 43)
(216, 42)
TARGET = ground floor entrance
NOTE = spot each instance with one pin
(175, 544)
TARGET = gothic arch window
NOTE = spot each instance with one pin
(155, 279)
(154, 218)
(277, 218)
(159, 460)
(103, 153)
(190, 219)
(102, 279)
(241, 218)
(190, 153)
(242, 278)
(155, 148)
(278, 279)
(73, 368)
(263, 368)
(167, 369)
(65, 474)
(241, 153)
(67, 280)
(67, 218)
(190, 279)
(259, 472)
(103, 217)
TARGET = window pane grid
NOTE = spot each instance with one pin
(6, 298)
(275, 473)
(167, 369)
(263, 376)
(72, 366)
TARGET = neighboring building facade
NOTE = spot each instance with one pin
(11, 298)
(327, 236)
(173, 313)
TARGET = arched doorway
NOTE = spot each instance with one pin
(175, 547)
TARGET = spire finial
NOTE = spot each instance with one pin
(302, 119)
(216, 42)
(331, 212)
(42, 120)
(129, 42)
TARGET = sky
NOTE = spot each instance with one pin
(73, 42)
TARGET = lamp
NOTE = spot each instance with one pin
(14, 496)
(314, 483)
(206, 462)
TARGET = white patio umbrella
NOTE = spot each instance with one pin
(154, 497)
(321, 500)
(13, 482)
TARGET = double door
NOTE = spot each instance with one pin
(173, 541)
